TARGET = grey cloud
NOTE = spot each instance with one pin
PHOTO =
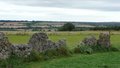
(103, 5)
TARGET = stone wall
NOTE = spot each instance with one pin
(40, 42)
(21, 50)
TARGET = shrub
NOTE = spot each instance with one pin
(62, 51)
(99, 48)
(83, 49)
(34, 56)
(12, 62)
(114, 49)
(49, 54)
(67, 27)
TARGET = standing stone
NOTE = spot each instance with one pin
(40, 42)
(104, 39)
(89, 41)
(4, 46)
(37, 41)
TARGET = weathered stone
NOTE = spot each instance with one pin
(4, 46)
(89, 41)
(21, 50)
(40, 42)
(104, 39)
(61, 43)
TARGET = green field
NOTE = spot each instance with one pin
(72, 38)
(98, 60)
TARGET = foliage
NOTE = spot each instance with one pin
(107, 28)
(103, 49)
(34, 56)
(12, 62)
(94, 48)
(83, 49)
(49, 54)
(67, 27)
(59, 52)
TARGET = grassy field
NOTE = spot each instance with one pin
(98, 60)
(73, 38)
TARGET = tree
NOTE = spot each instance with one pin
(67, 27)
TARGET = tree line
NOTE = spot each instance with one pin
(71, 27)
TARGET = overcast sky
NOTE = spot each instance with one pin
(60, 10)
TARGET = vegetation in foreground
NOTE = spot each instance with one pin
(95, 60)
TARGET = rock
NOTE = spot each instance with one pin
(61, 43)
(89, 41)
(39, 42)
(21, 50)
(104, 39)
(4, 46)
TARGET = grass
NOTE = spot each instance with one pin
(19, 39)
(72, 40)
(98, 60)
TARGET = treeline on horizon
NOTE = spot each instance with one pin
(71, 27)
(116, 28)
(98, 25)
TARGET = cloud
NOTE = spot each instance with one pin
(60, 10)
(104, 5)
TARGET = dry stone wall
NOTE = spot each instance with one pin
(40, 42)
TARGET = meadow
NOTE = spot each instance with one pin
(95, 60)
(72, 38)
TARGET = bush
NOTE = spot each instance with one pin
(34, 56)
(83, 49)
(114, 49)
(50, 54)
(99, 48)
(12, 62)
(63, 51)
(67, 27)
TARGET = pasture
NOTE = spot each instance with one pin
(97, 60)
(72, 38)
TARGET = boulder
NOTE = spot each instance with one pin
(104, 39)
(89, 41)
(40, 42)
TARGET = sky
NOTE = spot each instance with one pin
(61, 10)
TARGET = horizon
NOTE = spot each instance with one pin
(61, 10)
(60, 21)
